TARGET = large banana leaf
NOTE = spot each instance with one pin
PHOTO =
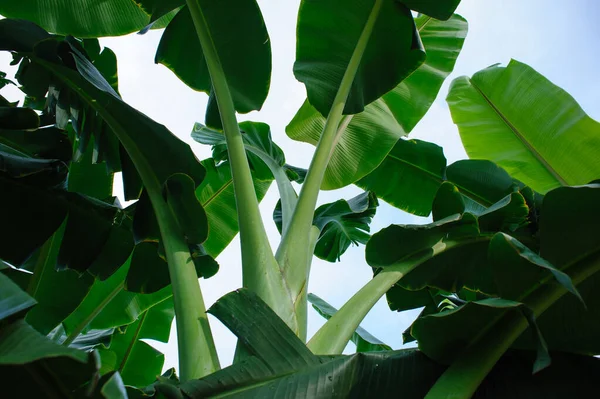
(327, 34)
(238, 32)
(535, 130)
(370, 135)
(86, 18)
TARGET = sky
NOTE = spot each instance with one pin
(560, 39)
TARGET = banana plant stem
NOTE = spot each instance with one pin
(197, 353)
(331, 339)
(260, 271)
(292, 254)
(463, 377)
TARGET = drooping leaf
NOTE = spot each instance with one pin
(464, 325)
(508, 214)
(536, 131)
(239, 35)
(448, 255)
(136, 361)
(92, 339)
(410, 175)
(482, 183)
(392, 53)
(266, 158)
(399, 242)
(93, 99)
(569, 222)
(510, 258)
(364, 341)
(34, 200)
(88, 19)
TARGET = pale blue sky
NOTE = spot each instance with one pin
(560, 39)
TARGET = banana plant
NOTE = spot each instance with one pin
(504, 273)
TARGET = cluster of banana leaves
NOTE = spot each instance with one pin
(506, 271)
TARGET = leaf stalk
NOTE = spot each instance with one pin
(260, 271)
(292, 253)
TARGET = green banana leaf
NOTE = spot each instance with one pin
(327, 34)
(370, 135)
(281, 365)
(238, 32)
(518, 119)
(137, 362)
(411, 174)
(340, 223)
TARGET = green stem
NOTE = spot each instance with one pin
(331, 339)
(288, 195)
(260, 270)
(84, 323)
(463, 377)
(196, 347)
(292, 254)
(197, 353)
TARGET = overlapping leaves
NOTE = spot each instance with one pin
(370, 135)
(482, 254)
